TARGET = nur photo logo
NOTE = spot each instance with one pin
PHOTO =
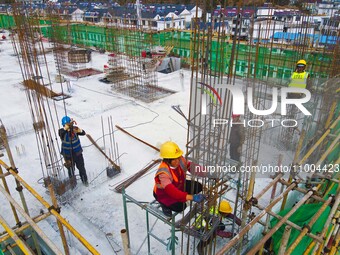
(211, 92)
(239, 101)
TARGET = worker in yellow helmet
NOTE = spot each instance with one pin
(171, 188)
(299, 78)
(224, 210)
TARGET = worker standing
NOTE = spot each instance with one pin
(299, 78)
(171, 189)
(71, 148)
(236, 138)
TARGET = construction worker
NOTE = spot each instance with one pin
(224, 210)
(71, 148)
(171, 189)
(236, 138)
(299, 78)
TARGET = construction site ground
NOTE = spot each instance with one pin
(97, 211)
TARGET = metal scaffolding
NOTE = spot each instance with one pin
(218, 61)
(19, 238)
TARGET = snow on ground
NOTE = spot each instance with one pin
(97, 211)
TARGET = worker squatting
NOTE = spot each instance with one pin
(217, 169)
(257, 122)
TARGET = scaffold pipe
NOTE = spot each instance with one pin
(329, 150)
(37, 229)
(311, 150)
(125, 242)
(245, 230)
(284, 240)
(9, 248)
(329, 219)
(247, 206)
(280, 223)
(16, 239)
(4, 182)
(292, 224)
(52, 210)
(317, 198)
(336, 245)
(274, 181)
(60, 225)
(309, 226)
(4, 137)
(25, 225)
(309, 248)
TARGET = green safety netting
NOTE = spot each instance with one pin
(334, 155)
(6, 21)
(301, 217)
(251, 61)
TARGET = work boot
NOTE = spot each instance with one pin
(86, 183)
(167, 211)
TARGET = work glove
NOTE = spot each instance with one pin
(239, 149)
(68, 163)
(78, 130)
(198, 198)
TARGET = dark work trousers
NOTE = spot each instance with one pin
(233, 152)
(191, 187)
(78, 161)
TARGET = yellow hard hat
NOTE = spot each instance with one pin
(170, 150)
(225, 207)
(301, 62)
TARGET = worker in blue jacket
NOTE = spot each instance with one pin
(71, 148)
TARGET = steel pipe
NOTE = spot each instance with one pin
(22, 245)
(31, 222)
(245, 230)
(280, 223)
(306, 228)
(52, 210)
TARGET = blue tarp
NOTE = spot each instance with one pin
(328, 39)
(322, 39)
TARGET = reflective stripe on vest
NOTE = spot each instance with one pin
(165, 169)
(67, 145)
(183, 164)
(299, 80)
(199, 222)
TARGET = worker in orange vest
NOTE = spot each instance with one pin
(171, 189)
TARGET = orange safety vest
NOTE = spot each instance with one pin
(177, 177)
